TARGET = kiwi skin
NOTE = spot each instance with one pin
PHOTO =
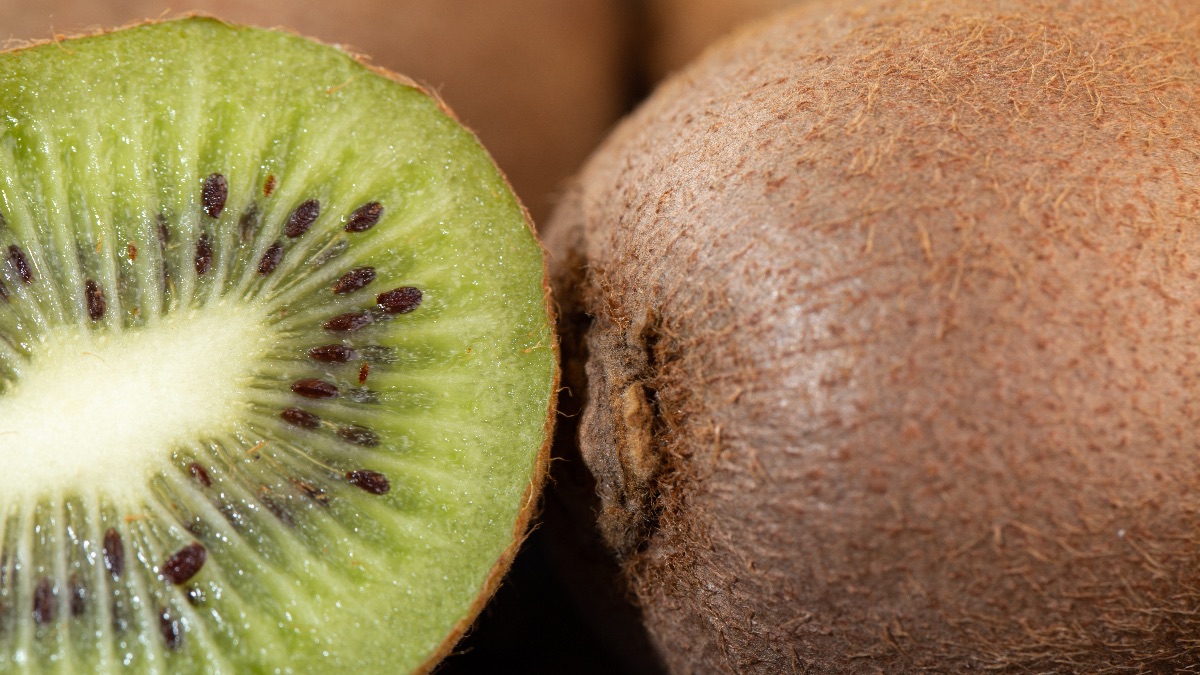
(889, 314)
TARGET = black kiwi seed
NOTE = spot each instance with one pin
(164, 231)
(370, 481)
(200, 474)
(400, 300)
(314, 388)
(361, 395)
(276, 506)
(270, 259)
(172, 632)
(269, 185)
(204, 254)
(16, 257)
(300, 418)
(332, 354)
(354, 279)
(348, 322)
(357, 435)
(184, 563)
(333, 250)
(364, 217)
(364, 371)
(113, 551)
(45, 602)
(302, 218)
(78, 596)
(248, 222)
(214, 194)
(96, 304)
(195, 595)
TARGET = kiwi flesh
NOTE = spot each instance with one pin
(889, 313)
(276, 359)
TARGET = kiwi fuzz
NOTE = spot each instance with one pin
(887, 311)
(300, 329)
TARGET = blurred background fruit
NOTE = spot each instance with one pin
(680, 29)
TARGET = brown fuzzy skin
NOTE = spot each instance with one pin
(893, 356)
(541, 81)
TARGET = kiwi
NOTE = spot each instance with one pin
(276, 359)
(889, 314)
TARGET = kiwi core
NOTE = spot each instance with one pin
(95, 407)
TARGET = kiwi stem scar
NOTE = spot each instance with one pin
(181, 378)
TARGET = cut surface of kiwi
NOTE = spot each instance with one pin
(276, 364)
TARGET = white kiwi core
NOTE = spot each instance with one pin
(93, 408)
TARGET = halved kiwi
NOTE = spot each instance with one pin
(276, 359)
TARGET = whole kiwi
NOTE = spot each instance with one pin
(890, 316)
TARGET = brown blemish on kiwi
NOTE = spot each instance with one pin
(268, 185)
(363, 372)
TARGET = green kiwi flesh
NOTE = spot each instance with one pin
(276, 364)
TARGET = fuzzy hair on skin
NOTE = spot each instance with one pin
(891, 333)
